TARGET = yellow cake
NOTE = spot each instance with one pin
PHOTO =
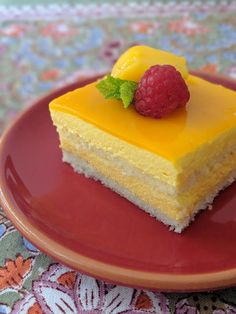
(171, 167)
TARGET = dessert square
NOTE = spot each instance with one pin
(171, 167)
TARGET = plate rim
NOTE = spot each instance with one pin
(91, 266)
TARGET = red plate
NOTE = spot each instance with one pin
(90, 228)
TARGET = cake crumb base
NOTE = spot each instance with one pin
(81, 166)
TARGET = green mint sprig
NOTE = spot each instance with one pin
(116, 88)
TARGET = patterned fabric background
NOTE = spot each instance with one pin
(42, 48)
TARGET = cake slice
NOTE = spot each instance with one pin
(171, 167)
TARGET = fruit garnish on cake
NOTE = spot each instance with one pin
(155, 89)
(157, 135)
(159, 92)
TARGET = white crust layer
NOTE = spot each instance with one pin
(81, 166)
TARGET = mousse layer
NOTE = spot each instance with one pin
(179, 201)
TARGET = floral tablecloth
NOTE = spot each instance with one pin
(46, 46)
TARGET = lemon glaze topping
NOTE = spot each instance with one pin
(209, 113)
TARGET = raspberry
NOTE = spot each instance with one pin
(160, 91)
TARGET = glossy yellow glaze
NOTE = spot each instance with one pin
(210, 112)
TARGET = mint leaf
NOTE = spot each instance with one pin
(110, 87)
(116, 88)
(127, 90)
